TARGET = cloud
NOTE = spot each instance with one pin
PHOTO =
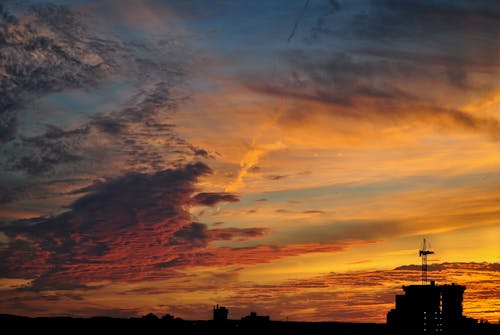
(276, 177)
(296, 212)
(9, 194)
(138, 227)
(495, 267)
(297, 21)
(108, 124)
(351, 86)
(442, 28)
(431, 17)
(82, 100)
(47, 51)
(200, 152)
(251, 160)
(195, 233)
(122, 223)
(241, 233)
(268, 252)
(313, 211)
(212, 199)
(364, 77)
(136, 221)
(128, 135)
(40, 154)
(64, 59)
(200, 235)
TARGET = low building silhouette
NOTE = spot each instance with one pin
(220, 313)
(428, 309)
(254, 318)
(168, 317)
(150, 316)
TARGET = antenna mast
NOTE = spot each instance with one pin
(423, 253)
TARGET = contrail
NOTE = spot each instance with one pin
(298, 20)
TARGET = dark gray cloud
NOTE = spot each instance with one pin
(458, 35)
(39, 154)
(400, 18)
(48, 53)
(200, 152)
(108, 124)
(198, 234)
(120, 224)
(325, 15)
(394, 21)
(212, 198)
(9, 194)
(195, 233)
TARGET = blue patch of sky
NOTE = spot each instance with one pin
(71, 108)
(357, 190)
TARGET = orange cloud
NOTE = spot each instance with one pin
(250, 160)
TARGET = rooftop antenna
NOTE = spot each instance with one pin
(423, 253)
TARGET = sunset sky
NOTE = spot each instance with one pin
(284, 157)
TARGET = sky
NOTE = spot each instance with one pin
(284, 157)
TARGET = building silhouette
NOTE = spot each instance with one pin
(254, 318)
(220, 313)
(428, 309)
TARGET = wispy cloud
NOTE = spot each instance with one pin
(251, 160)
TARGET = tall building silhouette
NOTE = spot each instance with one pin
(428, 309)
(451, 308)
(220, 313)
